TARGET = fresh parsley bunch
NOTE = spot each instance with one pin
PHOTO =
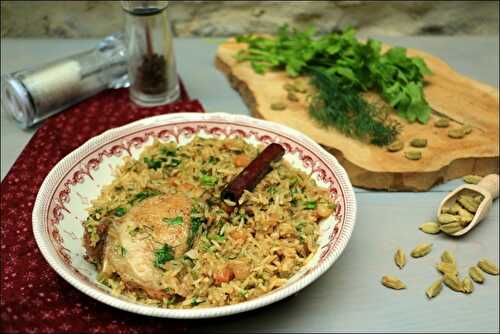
(341, 68)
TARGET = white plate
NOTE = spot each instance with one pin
(78, 178)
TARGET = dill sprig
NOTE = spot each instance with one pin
(348, 112)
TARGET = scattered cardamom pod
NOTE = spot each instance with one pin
(476, 275)
(434, 289)
(393, 283)
(442, 123)
(468, 203)
(413, 155)
(446, 218)
(451, 228)
(400, 258)
(448, 257)
(453, 282)
(396, 146)
(421, 250)
(447, 268)
(430, 228)
(418, 142)
(290, 87)
(456, 133)
(488, 267)
(278, 106)
(467, 285)
(467, 129)
(472, 179)
(292, 97)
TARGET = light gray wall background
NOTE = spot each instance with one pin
(82, 19)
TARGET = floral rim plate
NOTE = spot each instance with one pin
(77, 179)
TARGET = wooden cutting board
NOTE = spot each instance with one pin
(463, 100)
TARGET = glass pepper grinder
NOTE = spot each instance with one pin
(152, 71)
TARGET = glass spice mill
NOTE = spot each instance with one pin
(151, 69)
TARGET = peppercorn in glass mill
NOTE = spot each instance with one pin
(151, 69)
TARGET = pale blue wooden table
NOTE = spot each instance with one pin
(349, 296)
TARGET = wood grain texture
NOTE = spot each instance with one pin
(463, 100)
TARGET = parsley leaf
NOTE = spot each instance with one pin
(208, 180)
(163, 255)
(174, 221)
(120, 212)
(140, 196)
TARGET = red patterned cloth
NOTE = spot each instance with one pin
(34, 298)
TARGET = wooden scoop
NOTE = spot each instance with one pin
(487, 187)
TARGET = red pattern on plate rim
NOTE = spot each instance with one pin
(172, 131)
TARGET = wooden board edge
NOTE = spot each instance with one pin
(390, 181)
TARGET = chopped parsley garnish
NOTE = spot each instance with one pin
(163, 255)
(208, 180)
(120, 212)
(309, 205)
(168, 152)
(213, 160)
(216, 237)
(143, 195)
(174, 221)
(196, 222)
(173, 162)
(123, 251)
(271, 189)
(300, 226)
(152, 163)
(195, 301)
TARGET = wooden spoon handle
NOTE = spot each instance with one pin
(490, 184)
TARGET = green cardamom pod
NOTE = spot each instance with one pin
(468, 203)
(453, 282)
(290, 87)
(442, 123)
(467, 129)
(292, 97)
(393, 283)
(434, 289)
(413, 155)
(467, 285)
(278, 106)
(418, 142)
(456, 133)
(447, 268)
(453, 210)
(476, 275)
(421, 250)
(465, 216)
(446, 218)
(488, 267)
(478, 199)
(448, 257)
(472, 179)
(396, 146)
(451, 228)
(430, 228)
(400, 258)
